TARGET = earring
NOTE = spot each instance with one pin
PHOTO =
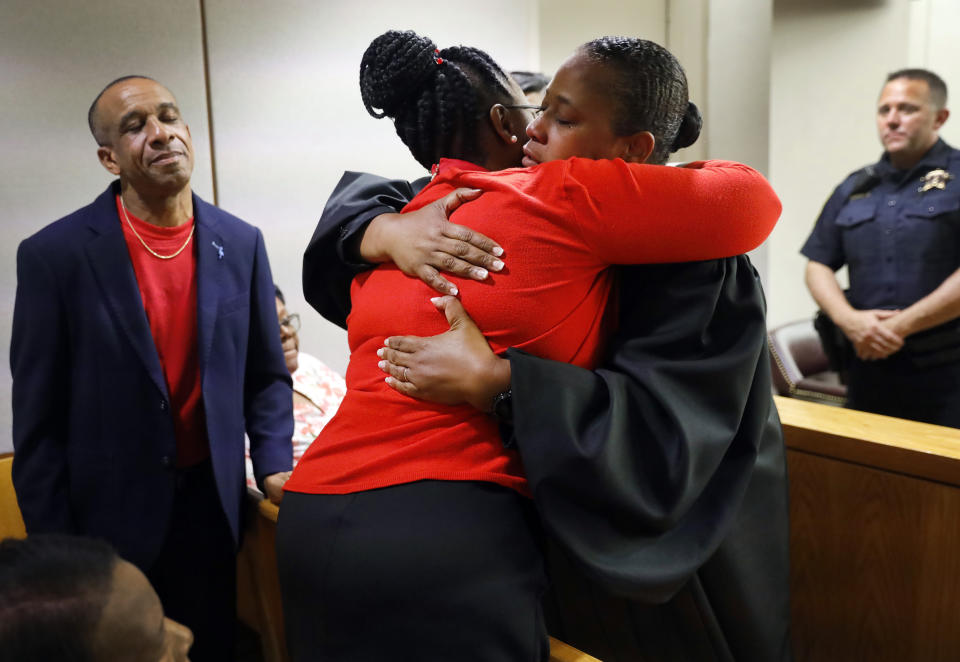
(513, 139)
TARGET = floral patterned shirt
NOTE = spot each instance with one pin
(322, 390)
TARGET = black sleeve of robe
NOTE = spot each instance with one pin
(328, 266)
(661, 477)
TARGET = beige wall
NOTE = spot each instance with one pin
(738, 88)
(565, 24)
(289, 120)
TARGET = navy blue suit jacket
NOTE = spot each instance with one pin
(92, 427)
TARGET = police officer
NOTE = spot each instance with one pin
(896, 224)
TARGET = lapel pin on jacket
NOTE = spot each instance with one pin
(219, 250)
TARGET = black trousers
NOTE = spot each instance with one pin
(431, 570)
(897, 387)
(196, 572)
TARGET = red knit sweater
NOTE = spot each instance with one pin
(561, 224)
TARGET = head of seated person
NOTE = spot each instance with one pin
(615, 97)
(73, 599)
(289, 326)
(533, 84)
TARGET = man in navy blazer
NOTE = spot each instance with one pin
(145, 342)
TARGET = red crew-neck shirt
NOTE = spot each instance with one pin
(168, 289)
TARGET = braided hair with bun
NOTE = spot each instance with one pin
(434, 97)
(649, 93)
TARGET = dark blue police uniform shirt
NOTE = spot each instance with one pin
(899, 243)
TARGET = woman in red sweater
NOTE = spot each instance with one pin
(405, 525)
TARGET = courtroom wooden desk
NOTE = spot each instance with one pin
(874, 535)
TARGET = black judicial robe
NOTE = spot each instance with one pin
(660, 477)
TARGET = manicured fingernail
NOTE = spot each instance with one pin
(480, 273)
(454, 291)
(435, 300)
(497, 251)
(380, 352)
(386, 342)
(382, 365)
(497, 265)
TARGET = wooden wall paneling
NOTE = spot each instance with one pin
(875, 536)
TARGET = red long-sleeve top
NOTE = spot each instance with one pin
(561, 225)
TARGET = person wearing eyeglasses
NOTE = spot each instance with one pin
(533, 83)
(317, 389)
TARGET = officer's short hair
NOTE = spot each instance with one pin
(938, 89)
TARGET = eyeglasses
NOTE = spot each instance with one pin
(524, 106)
(291, 321)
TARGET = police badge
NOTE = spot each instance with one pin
(935, 179)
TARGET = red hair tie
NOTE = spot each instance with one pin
(438, 60)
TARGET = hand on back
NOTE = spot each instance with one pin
(454, 367)
(423, 242)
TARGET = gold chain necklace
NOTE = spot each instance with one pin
(150, 250)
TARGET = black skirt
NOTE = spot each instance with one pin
(432, 570)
